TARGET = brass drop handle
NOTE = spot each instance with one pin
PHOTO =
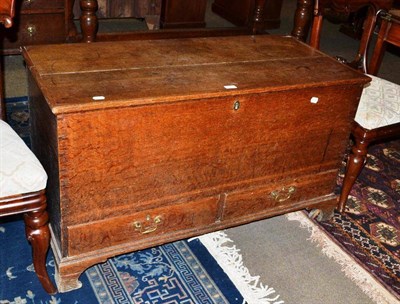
(283, 194)
(149, 225)
(31, 30)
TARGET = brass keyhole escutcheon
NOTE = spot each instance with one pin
(283, 194)
(149, 225)
(236, 105)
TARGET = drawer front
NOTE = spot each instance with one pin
(41, 4)
(279, 198)
(155, 225)
(34, 29)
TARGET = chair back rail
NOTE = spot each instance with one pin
(320, 7)
(389, 33)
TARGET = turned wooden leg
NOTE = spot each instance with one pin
(88, 20)
(355, 163)
(38, 234)
(302, 19)
(258, 16)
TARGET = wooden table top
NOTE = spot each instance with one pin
(80, 77)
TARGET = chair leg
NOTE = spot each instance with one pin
(38, 234)
(355, 163)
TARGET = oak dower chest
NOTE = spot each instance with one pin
(153, 141)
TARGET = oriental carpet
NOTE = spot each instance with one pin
(368, 233)
(179, 272)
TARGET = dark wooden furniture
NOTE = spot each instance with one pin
(240, 12)
(183, 13)
(32, 204)
(121, 8)
(389, 33)
(39, 22)
(364, 131)
(304, 12)
(147, 143)
(89, 25)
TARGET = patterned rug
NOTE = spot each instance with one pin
(207, 269)
(369, 230)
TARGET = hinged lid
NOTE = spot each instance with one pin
(79, 77)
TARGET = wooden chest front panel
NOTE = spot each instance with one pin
(165, 152)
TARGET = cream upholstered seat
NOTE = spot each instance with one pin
(379, 104)
(378, 113)
(23, 179)
(22, 191)
(20, 171)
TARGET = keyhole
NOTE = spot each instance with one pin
(236, 105)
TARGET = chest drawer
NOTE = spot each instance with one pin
(280, 196)
(153, 226)
(34, 29)
(38, 22)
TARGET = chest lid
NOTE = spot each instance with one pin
(82, 77)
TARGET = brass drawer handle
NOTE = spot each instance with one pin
(150, 225)
(31, 30)
(284, 194)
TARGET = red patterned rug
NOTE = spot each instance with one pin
(368, 233)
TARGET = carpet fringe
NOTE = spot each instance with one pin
(362, 278)
(231, 261)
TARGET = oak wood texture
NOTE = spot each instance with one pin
(240, 12)
(31, 205)
(39, 22)
(170, 152)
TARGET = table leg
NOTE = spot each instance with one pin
(89, 23)
(302, 19)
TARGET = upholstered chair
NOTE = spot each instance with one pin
(378, 113)
(23, 181)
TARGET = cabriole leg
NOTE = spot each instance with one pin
(38, 234)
